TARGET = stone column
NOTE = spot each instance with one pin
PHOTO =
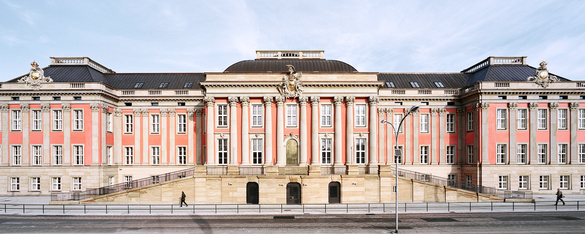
(315, 130)
(164, 131)
(532, 150)
(485, 129)
(574, 144)
(190, 150)
(409, 136)
(476, 133)
(280, 153)
(172, 134)
(103, 131)
(145, 133)
(303, 130)
(46, 109)
(390, 137)
(553, 159)
(199, 135)
(415, 135)
(137, 131)
(95, 133)
(5, 131)
(338, 131)
(349, 100)
(440, 128)
(118, 131)
(210, 139)
(460, 129)
(373, 163)
(381, 138)
(512, 130)
(268, 130)
(66, 133)
(25, 134)
(245, 142)
(233, 131)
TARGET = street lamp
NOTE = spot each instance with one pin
(397, 153)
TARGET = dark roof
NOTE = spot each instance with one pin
(279, 66)
(425, 80)
(505, 73)
(71, 73)
(153, 80)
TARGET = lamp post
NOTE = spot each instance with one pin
(397, 153)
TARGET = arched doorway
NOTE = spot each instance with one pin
(293, 193)
(252, 193)
(292, 153)
(334, 192)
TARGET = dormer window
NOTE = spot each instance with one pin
(414, 84)
(439, 84)
(163, 85)
(188, 85)
(138, 85)
(390, 84)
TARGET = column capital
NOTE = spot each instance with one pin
(46, 107)
(460, 111)
(280, 100)
(94, 107)
(117, 112)
(24, 107)
(210, 101)
(245, 100)
(233, 100)
(267, 100)
(415, 112)
(553, 105)
(434, 111)
(164, 112)
(137, 112)
(66, 107)
(390, 110)
(574, 105)
(338, 100)
(172, 112)
(349, 100)
(4, 107)
(303, 100)
(381, 111)
(374, 100)
(190, 112)
(485, 105)
(442, 111)
(105, 108)
(476, 107)
(533, 105)
(512, 105)
(145, 113)
(198, 112)
(315, 100)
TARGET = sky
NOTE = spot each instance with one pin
(373, 36)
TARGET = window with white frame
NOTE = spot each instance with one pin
(583, 182)
(360, 150)
(78, 120)
(469, 121)
(469, 154)
(562, 155)
(523, 182)
(562, 119)
(222, 151)
(424, 154)
(128, 123)
(291, 115)
(78, 155)
(56, 183)
(76, 183)
(521, 119)
(182, 155)
(14, 184)
(35, 183)
(424, 123)
(542, 119)
(543, 182)
(521, 153)
(182, 123)
(16, 155)
(128, 181)
(128, 155)
(468, 181)
(542, 153)
(564, 182)
(501, 151)
(110, 180)
(57, 120)
(222, 115)
(155, 179)
(397, 119)
(325, 150)
(155, 124)
(581, 153)
(581, 118)
(16, 120)
(450, 154)
(257, 151)
(452, 180)
(360, 115)
(57, 155)
(109, 155)
(502, 182)
(37, 154)
(37, 120)
(155, 155)
(450, 123)
(501, 119)
(109, 121)
(398, 158)
(326, 115)
(256, 115)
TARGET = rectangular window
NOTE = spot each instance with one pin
(521, 153)
(522, 119)
(155, 124)
(398, 158)
(583, 181)
(16, 120)
(37, 120)
(128, 181)
(542, 153)
(182, 155)
(469, 154)
(57, 120)
(501, 153)
(501, 119)
(182, 124)
(110, 180)
(109, 155)
(562, 119)
(155, 155)
(128, 123)
(14, 184)
(76, 183)
(16, 155)
(564, 182)
(523, 182)
(424, 123)
(222, 115)
(155, 179)
(581, 153)
(78, 120)
(543, 182)
(469, 121)
(257, 151)
(58, 155)
(450, 154)
(562, 155)
(360, 150)
(581, 118)
(128, 155)
(424, 154)
(468, 181)
(450, 123)
(37, 154)
(397, 119)
(35, 184)
(109, 121)
(502, 182)
(325, 150)
(56, 184)
(326, 115)
(256, 115)
(291, 115)
(542, 119)
(222, 151)
(452, 180)
(360, 115)
(78, 155)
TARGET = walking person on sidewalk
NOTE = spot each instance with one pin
(559, 197)
(183, 199)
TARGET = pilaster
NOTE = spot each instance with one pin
(5, 131)
(416, 134)
(303, 130)
(553, 159)
(512, 130)
(199, 135)
(172, 134)
(268, 129)
(66, 134)
(25, 134)
(46, 112)
(95, 133)
(373, 123)
(245, 141)
(460, 129)
(382, 138)
(164, 131)
(280, 153)
(118, 129)
(349, 100)
(190, 150)
(484, 129)
(574, 144)
(137, 135)
(233, 102)
(390, 137)
(315, 130)
(532, 150)
(337, 101)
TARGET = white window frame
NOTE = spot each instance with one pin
(581, 118)
(109, 155)
(16, 116)
(501, 153)
(257, 151)
(542, 153)
(521, 153)
(154, 124)
(155, 155)
(78, 152)
(468, 181)
(450, 154)
(562, 153)
(562, 119)
(503, 182)
(76, 182)
(128, 124)
(110, 180)
(222, 149)
(360, 147)
(469, 121)
(452, 180)
(501, 119)
(128, 181)
(469, 154)
(222, 115)
(564, 182)
(16, 154)
(450, 123)
(326, 152)
(37, 154)
(182, 155)
(542, 119)
(181, 123)
(544, 182)
(128, 155)
(582, 181)
(522, 119)
(56, 184)
(109, 122)
(77, 120)
(37, 120)
(291, 115)
(35, 183)
(326, 115)
(360, 115)
(57, 120)
(257, 112)
(57, 151)
(424, 154)
(523, 182)
(14, 183)
(397, 118)
(424, 123)
(581, 153)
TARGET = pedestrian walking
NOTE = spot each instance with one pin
(183, 199)
(559, 197)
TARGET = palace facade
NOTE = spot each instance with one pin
(291, 117)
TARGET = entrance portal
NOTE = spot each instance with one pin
(252, 193)
(293, 193)
(334, 192)
(292, 153)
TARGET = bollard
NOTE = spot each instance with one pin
(427, 207)
(303, 208)
(534, 205)
(63, 209)
(448, 206)
(470, 206)
(368, 207)
(259, 208)
(237, 208)
(84, 211)
(129, 209)
(150, 209)
(106, 209)
(577, 205)
(216, 208)
(281, 208)
(383, 207)
(43, 209)
(492, 206)
(325, 208)
(513, 206)
(347, 208)
(23, 208)
(404, 207)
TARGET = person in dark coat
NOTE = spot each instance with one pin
(559, 197)
(183, 199)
